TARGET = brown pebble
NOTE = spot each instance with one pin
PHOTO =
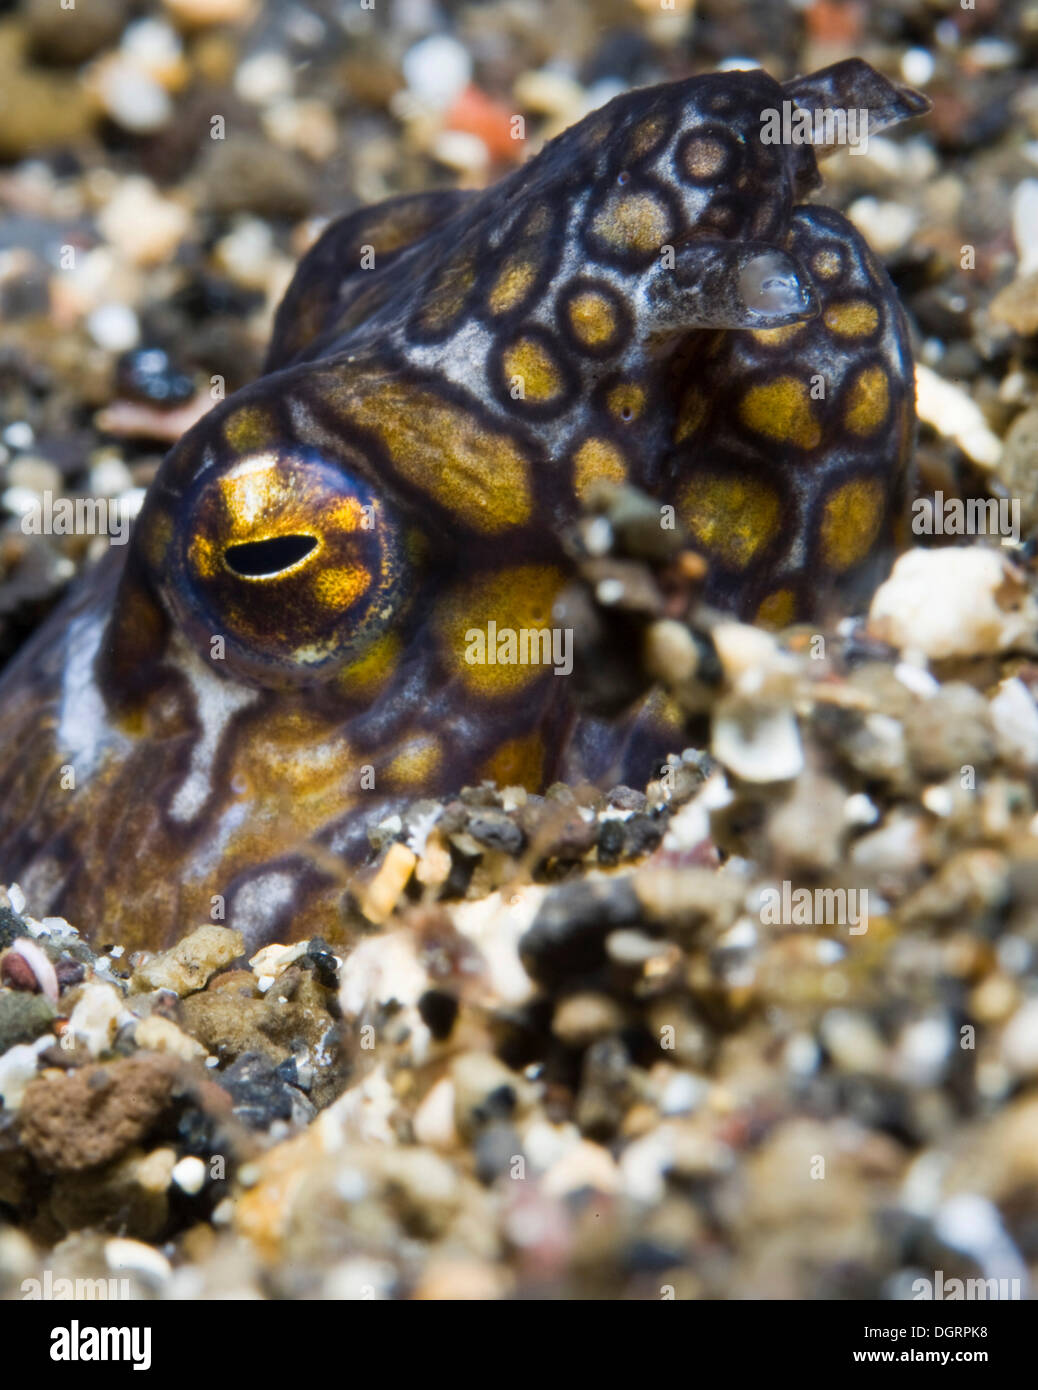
(17, 973)
(82, 1119)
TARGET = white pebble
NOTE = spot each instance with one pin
(153, 46)
(437, 69)
(917, 66)
(860, 809)
(308, 126)
(757, 743)
(132, 98)
(36, 473)
(852, 1041)
(246, 251)
(953, 413)
(886, 226)
(434, 1119)
(691, 825)
(683, 1094)
(895, 848)
(134, 1257)
(381, 968)
(802, 1055)
(114, 327)
(265, 77)
(993, 53)
(272, 961)
(938, 801)
(545, 1143)
(1025, 225)
(189, 1174)
(1020, 1040)
(917, 679)
(923, 1049)
(360, 1278)
(20, 501)
(1014, 954)
(551, 93)
(18, 1067)
(585, 1165)
(1015, 719)
(643, 1165)
(752, 661)
(461, 150)
(957, 601)
(98, 1016)
(142, 224)
(19, 435)
(968, 1222)
(109, 476)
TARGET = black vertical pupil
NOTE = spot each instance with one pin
(255, 559)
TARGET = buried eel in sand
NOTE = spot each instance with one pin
(279, 659)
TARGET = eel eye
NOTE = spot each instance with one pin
(297, 563)
(264, 559)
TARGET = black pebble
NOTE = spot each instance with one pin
(438, 1012)
(495, 830)
(260, 1092)
(568, 934)
(147, 374)
(641, 834)
(496, 1148)
(610, 841)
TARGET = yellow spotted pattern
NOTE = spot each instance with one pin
(592, 319)
(827, 264)
(512, 599)
(532, 362)
(851, 522)
(595, 459)
(446, 298)
(417, 763)
(250, 428)
(704, 157)
(518, 762)
(293, 761)
(778, 609)
(363, 677)
(853, 318)
(691, 414)
(512, 285)
(777, 337)
(626, 402)
(632, 222)
(477, 472)
(156, 539)
(733, 518)
(782, 410)
(868, 401)
(646, 135)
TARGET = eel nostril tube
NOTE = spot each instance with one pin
(770, 285)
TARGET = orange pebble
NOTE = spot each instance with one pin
(835, 23)
(478, 114)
